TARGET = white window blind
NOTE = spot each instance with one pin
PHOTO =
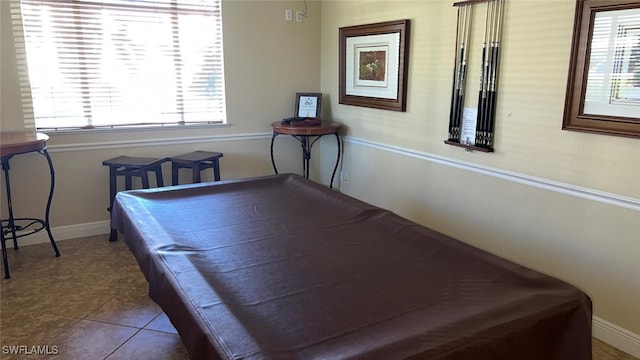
(113, 63)
(613, 85)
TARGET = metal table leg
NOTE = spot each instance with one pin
(45, 153)
(335, 168)
(4, 253)
(273, 162)
(11, 226)
(306, 154)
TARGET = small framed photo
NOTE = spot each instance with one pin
(308, 105)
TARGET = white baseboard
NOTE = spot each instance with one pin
(64, 233)
(612, 334)
(616, 336)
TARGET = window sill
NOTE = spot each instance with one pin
(99, 139)
(131, 129)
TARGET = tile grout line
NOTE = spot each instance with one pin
(124, 342)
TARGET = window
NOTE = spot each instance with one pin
(613, 80)
(115, 63)
(603, 93)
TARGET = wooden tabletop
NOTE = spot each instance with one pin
(19, 142)
(325, 127)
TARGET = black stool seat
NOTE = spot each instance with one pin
(197, 161)
(129, 167)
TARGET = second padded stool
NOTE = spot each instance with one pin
(196, 161)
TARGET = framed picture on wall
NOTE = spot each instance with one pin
(603, 87)
(308, 105)
(373, 65)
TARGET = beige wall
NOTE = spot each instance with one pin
(398, 160)
(267, 60)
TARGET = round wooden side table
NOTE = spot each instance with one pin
(12, 144)
(304, 135)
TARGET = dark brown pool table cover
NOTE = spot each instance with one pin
(282, 268)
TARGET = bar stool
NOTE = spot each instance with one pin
(129, 167)
(196, 161)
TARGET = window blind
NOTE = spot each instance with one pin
(613, 85)
(115, 63)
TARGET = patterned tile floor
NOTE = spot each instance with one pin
(91, 303)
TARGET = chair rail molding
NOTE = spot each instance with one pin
(99, 145)
(538, 182)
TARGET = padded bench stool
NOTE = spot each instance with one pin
(129, 167)
(197, 161)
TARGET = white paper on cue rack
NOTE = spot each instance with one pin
(469, 121)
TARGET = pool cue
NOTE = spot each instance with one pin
(490, 63)
(492, 98)
(482, 92)
(454, 84)
(466, 23)
(459, 69)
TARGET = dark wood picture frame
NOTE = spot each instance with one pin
(397, 78)
(575, 117)
(318, 105)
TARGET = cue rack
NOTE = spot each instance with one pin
(479, 132)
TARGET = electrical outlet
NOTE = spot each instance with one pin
(288, 15)
(298, 16)
(346, 178)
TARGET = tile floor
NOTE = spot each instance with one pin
(92, 303)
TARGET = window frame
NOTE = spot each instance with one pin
(574, 116)
(27, 96)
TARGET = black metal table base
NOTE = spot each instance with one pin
(306, 145)
(10, 228)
